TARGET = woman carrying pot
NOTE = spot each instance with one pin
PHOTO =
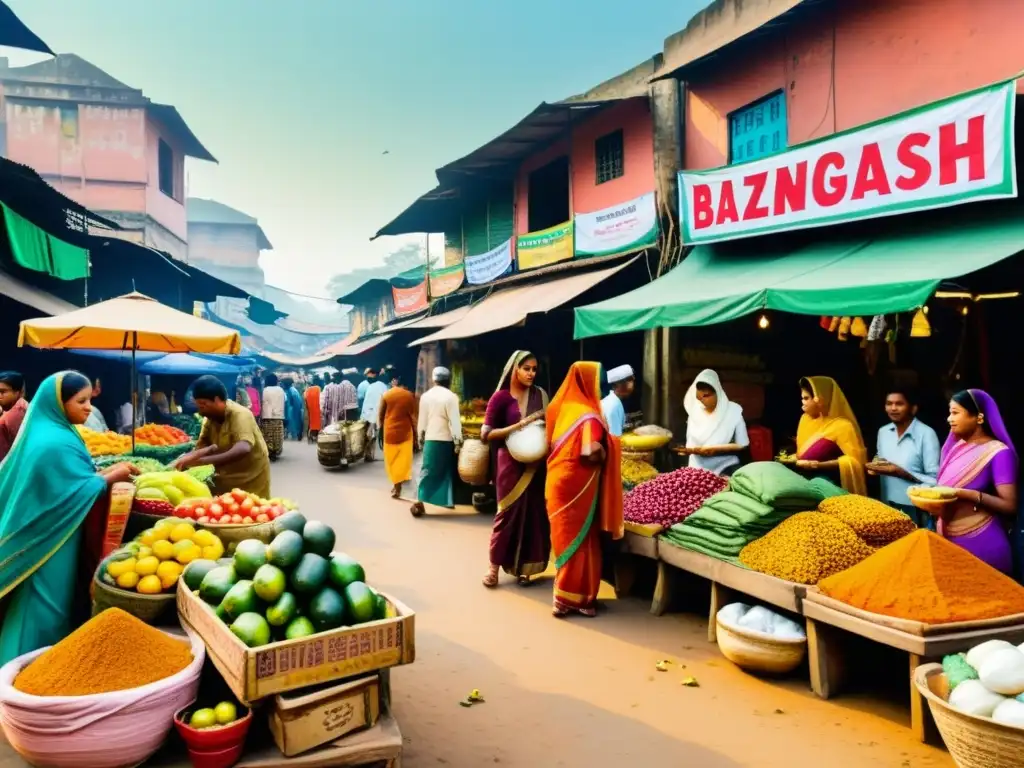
(521, 537)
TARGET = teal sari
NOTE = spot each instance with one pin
(48, 485)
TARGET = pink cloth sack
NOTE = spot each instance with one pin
(105, 730)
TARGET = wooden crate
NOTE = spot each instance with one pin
(308, 718)
(255, 673)
(380, 745)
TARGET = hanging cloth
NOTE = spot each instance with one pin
(32, 248)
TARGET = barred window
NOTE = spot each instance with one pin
(608, 154)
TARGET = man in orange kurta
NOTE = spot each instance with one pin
(396, 419)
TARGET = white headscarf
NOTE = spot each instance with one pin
(717, 427)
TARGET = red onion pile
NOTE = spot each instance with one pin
(671, 498)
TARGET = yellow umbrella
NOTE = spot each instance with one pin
(130, 322)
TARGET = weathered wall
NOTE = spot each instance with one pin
(227, 245)
(168, 211)
(889, 56)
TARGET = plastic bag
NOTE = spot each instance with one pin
(760, 621)
(104, 730)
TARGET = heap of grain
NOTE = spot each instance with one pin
(876, 523)
(806, 548)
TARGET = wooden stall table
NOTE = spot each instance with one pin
(827, 619)
(637, 541)
(728, 581)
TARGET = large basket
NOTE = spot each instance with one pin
(329, 449)
(353, 442)
(474, 463)
(972, 741)
(755, 652)
(647, 457)
(139, 522)
(152, 609)
(231, 534)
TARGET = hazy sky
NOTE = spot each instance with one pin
(299, 100)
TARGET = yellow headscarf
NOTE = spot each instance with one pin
(838, 424)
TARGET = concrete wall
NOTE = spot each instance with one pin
(633, 117)
(227, 245)
(890, 55)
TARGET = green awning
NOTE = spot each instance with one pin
(896, 270)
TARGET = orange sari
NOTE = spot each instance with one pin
(583, 498)
(313, 407)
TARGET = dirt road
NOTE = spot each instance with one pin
(576, 692)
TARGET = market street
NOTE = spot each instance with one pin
(575, 692)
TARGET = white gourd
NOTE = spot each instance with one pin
(973, 698)
(1010, 712)
(976, 656)
(1002, 671)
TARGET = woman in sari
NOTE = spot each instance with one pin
(48, 485)
(520, 539)
(312, 398)
(828, 439)
(583, 489)
(979, 460)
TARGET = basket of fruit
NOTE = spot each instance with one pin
(646, 439)
(235, 516)
(141, 577)
(932, 499)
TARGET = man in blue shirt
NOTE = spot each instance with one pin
(622, 381)
(907, 455)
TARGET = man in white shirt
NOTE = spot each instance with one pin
(622, 380)
(439, 430)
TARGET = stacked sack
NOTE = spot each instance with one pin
(760, 497)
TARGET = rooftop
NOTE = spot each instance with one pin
(199, 210)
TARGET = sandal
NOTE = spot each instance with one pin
(588, 612)
(491, 579)
(559, 613)
(523, 581)
(396, 492)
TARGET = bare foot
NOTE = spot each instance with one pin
(396, 492)
(491, 579)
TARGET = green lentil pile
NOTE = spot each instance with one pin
(876, 523)
(806, 548)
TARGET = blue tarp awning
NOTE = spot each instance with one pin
(178, 363)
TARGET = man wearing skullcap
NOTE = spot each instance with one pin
(621, 380)
(369, 376)
(439, 429)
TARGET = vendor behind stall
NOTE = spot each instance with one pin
(828, 438)
(715, 430)
(621, 380)
(230, 440)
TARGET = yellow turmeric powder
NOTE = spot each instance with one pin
(113, 651)
(923, 577)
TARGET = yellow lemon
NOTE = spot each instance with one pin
(187, 551)
(150, 585)
(205, 538)
(165, 523)
(168, 573)
(144, 552)
(147, 537)
(118, 567)
(128, 580)
(147, 566)
(181, 532)
(163, 550)
(214, 551)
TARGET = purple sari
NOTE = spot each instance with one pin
(521, 537)
(980, 467)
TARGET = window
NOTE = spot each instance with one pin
(69, 121)
(608, 155)
(759, 129)
(165, 167)
(548, 195)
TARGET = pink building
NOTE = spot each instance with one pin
(820, 68)
(103, 144)
(226, 242)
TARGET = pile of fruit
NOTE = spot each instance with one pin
(104, 443)
(236, 508)
(671, 498)
(636, 472)
(158, 493)
(293, 587)
(225, 713)
(191, 425)
(152, 563)
(160, 434)
(141, 463)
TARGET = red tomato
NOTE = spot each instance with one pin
(202, 519)
(232, 508)
(239, 495)
(247, 504)
(248, 520)
(278, 510)
(263, 518)
(236, 519)
(226, 498)
(216, 510)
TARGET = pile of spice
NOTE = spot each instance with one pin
(876, 523)
(113, 651)
(805, 548)
(923, 577)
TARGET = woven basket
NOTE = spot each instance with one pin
(152, 609)
(231, 534)
(646, 456)
(474, 463)
(973, 742)
(756, 653)
(139, 522)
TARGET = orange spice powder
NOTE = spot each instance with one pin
(923, 577)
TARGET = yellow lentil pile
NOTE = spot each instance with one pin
(636, 472)
(113, 651)
(806, 548)
(876, 523)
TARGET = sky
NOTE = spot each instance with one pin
(299, 101)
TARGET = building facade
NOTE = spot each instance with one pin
(103, 144)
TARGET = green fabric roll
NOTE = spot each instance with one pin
(777, 486)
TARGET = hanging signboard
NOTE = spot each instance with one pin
(548, 246)
(630, 226)
(485, 267)
(446, 280)
(408, 301)
(950, 152)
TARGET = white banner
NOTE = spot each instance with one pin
(621, 228)
(485, 267)
(950, 152)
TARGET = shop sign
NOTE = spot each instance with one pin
(548, 246)
(621, 228)
(485, 267)
(446, 280)
(409, 301)
(943, 154)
